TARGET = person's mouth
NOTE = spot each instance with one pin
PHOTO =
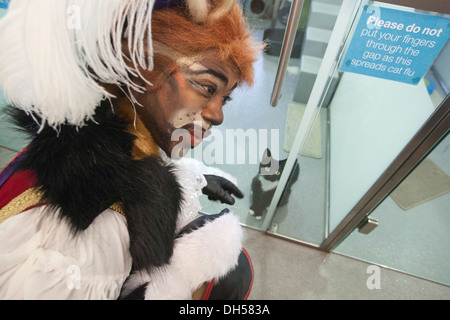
(197, 134)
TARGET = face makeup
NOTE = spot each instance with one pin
(189, 103)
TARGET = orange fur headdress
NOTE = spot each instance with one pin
(184, 32)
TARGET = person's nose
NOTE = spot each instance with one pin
(213, 113)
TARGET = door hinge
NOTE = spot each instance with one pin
(368, 225)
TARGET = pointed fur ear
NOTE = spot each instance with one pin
(198, 9)
(223, 8)
(54, 54)
(203, 10)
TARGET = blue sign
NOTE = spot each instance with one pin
(4, 4)
(395, 45)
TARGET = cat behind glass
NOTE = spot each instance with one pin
(266, 181)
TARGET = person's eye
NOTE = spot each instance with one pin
(211, 89)
(205, 89)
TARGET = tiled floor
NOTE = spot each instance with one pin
(289, 271)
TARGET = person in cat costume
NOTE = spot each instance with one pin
(101, 204)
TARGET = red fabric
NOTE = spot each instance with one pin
(208, 290)
(253, 273)
(212, 283)
(17, 184)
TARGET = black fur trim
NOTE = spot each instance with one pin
(137, 294)
(83, 171)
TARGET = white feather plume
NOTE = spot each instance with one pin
(54, 54)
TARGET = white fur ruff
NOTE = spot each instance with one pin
(210, 252)
(53, 54)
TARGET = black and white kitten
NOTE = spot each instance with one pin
(265, 183)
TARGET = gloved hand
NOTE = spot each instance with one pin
(219, 188)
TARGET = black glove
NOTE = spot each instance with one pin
(219, 188)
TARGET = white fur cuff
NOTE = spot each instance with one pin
(210, 252)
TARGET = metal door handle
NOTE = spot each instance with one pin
(288, 43)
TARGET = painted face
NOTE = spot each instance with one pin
(182, 111)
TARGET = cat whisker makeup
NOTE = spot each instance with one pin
(205, 90)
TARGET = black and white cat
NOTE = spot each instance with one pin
(266, 181)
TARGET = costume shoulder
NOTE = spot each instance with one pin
(83, 171)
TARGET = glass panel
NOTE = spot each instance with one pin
(302, 211)
(414, 224)
(364, 127)
(251, 125)
(371, 121)
(11, 140)
(2, 100)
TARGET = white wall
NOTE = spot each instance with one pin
(371, 121)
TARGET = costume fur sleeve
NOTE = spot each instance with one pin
(207, 251)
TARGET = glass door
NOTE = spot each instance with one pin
(388, 111)
(256, 119)
(369, 118)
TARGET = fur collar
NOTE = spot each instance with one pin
(84, 171)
